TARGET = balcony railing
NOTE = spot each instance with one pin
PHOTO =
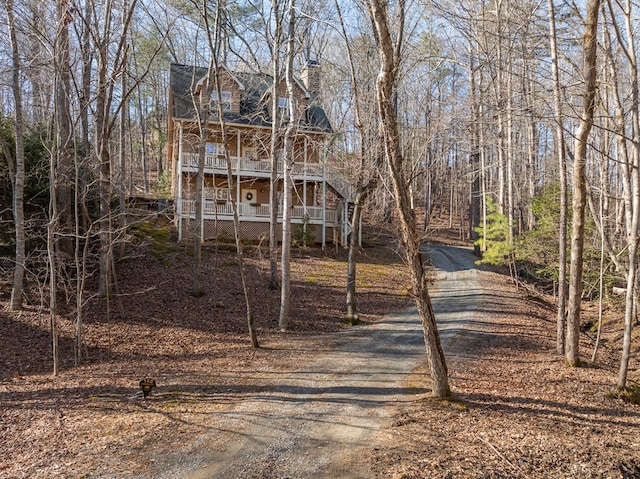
(261, 213)
(242, 165)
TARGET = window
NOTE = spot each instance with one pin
(215, 149)
(283, 108)
(283, 103)
(224, 98)
(222, 194)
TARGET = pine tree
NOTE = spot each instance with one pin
(494, 237)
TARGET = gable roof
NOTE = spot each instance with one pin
(254, 87)
(297, 82)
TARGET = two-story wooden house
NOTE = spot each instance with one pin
(320, 195)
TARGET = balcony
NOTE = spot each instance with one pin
(248, 167)
(259, 213)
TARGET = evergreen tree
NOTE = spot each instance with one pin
(494, 237)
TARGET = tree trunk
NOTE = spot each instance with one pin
(203, 121)
(285, 262)
(81, 268)
(106, 55)
(103, 159)
(285, 292)
(18, 183)
(562, 173)
(474, 159)
(86, 81)
(63, 133)
(274, 144)
(572, 353)
(122, 147)
(53, 270)
(363, 190)
(633, 201)
(361, 196)
(409, 239)
(214, 41)
(144, 156)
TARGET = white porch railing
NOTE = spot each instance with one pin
(261, 213)
(211, 162)
(242, 165)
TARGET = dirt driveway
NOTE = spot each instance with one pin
(315, 421)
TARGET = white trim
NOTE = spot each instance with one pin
(259, 214)
(238, 193)
(179, 175)
(233, 77)
(261, 128)
(324, 197)
(304, 186)
(345, 222)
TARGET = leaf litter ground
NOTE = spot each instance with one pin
(518, 411)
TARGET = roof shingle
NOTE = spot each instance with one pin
(254, 110)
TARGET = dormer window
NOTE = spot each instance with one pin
(283, 103)
(224, 98)
(283, 108)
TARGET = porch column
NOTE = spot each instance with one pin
(238, 149)
(345, 222)
(324, 196)
(238, 206)
(304, 189)
(237, 170)
(360, 231)
(179, 191)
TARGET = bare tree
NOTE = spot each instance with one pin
(630, 178)
(361, 195)
(364, 185)
(474, 157)
(52, 231)
(203, 98)
(122, 135)
(562, 172)
(274, 145)
(285, 289)
(215, 39)
(389, 50)
(110, 55)
(590, 44)
(86, 53)
(63, 131)
(18, 182)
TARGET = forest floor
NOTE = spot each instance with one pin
(517, 410)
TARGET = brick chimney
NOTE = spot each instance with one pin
(311, 77)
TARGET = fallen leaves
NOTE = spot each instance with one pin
(518, 411)
(526, 414)
(91, 418)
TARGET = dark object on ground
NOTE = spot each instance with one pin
(147, 384)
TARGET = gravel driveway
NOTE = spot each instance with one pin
(314, 421)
